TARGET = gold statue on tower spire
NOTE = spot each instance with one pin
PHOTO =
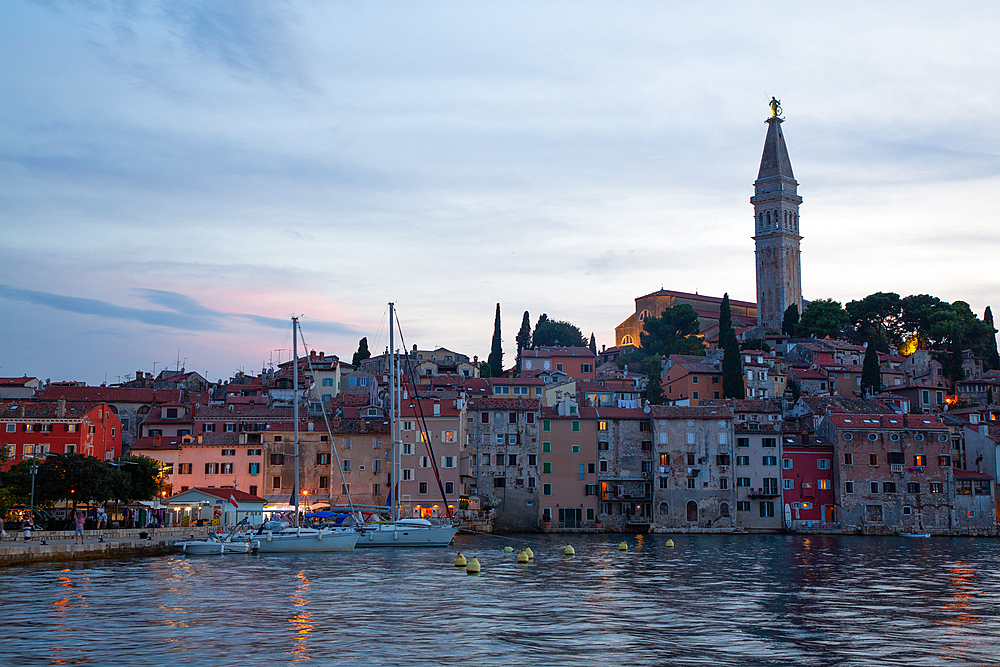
(775, 105)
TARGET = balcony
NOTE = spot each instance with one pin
(764, 493)
(896, 467)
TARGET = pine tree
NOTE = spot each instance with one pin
(790, 320)
(654, 387)
(362, 352)
(871, 377)
(495, 359)
(993, 357)
(593, 343)
(523, 340)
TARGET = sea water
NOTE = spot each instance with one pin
(709, 600)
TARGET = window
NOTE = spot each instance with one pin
(742, 442)
(407, 475)
(913, 487)
(664, 459)
(771, 486)
(788, 484)
(230, 428)
(447, 436)
(448, 461)
(512, 418)
(499, 438)
(276, 482)
(500, 460)
(743, 482)
(227, 468)
(874, 487)
(786, 464)
(848, 487)
(576, 449)
(602, 446)
(449, 487)
(919, 460)
(770, 460)
(512, 460)
(532, 459)
(944, 461)
(742, 460)
(691, 482)
(347, 465)
(694, 394)
(11, 428)
(254, 469)
(769, 442)
(323, 458)
(546, 489)
(822, 464)
(743, 506)
(576, 426)
(324, 482)
(888, 487)
(252, 489)
(422, 488)
(546, 425)
(602, 426)
(376, 465)
(873, 460)
(546, 447)
(546, 468)
(823, 484)
(580, 472)
(254, 452)
(767, 508)
(529, 417)
(484, 418)
(512, 438)
(211, 468)
(604, 466)
(407, 448)
(981, 487)
(184, 469)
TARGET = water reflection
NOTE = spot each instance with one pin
(302, 620)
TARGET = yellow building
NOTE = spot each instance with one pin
(744, 313)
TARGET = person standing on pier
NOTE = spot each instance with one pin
(78, 520)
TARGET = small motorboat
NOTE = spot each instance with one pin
(914, 534)
(213, 544)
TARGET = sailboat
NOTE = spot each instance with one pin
(281, 537)
(398, 532)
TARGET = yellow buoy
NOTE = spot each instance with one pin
(522, 557)
(670, 544)
(473, 566)
(460, 560)
(508, 550)
(623, 546)
(569, 550)
(531, 554)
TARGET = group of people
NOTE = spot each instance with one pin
(26, 521)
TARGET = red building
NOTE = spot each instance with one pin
(59, 427)
(807, 482)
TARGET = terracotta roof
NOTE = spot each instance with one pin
(225, 491)
(32, 409)
(698, 297)
(737, 405)
(107, 394)
(545, 352)
(970, 474)
(682, 412)
(16, 382)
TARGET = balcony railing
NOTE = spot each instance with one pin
(764, 493)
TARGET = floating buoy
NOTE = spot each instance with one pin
(531, 554)
(508, 550)
(670, 544)
(623, 546)
(522, 557)
(460, 560)
(473, 566)
(569, 550)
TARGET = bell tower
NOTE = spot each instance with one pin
(776, 226)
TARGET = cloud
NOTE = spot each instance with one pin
(179, 311)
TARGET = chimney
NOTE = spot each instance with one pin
(156, 440)
(805, 437)
(199, 439)
(61, 408)
(984, 430)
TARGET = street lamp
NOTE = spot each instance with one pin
(34, 471)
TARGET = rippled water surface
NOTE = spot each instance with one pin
(748, 600)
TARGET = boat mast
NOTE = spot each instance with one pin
(394, 471)
(295, 412)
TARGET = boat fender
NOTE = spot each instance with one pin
(319, 535)
(268, 536)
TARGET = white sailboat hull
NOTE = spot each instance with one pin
(401, 534)
(305, 540)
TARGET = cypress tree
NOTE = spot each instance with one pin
(654, 388)
(993, 358)
(593, 343)
(732, 364)
(523, 340)
(790, 320)
(495, 359)
(871, 378)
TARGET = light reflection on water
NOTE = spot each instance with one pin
(749, 600)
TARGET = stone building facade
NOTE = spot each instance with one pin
(694, 475)
(624, 468)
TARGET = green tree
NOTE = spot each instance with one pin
(675, 331)
(878, 316)
(653, 367)
(523, 339)
(550, 333)
(484, 370)
(918, 310)
(822, 318)
(952, 361)
(495, 359)
(593, 343)
(142, 477)
(992, 358)
(871, 376)
(732, 369)
(362, 352)
(725, 316)
(791, 320)
(74, 478)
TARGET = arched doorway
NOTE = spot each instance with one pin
(692, 511)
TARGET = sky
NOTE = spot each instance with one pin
(179, 178)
